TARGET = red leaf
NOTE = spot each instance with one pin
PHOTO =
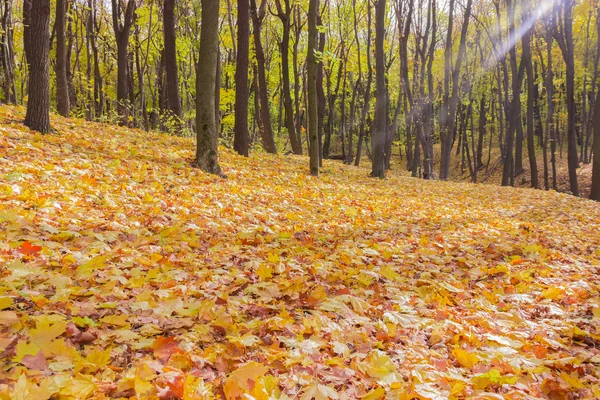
(29, 249)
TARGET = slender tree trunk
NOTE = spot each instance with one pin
(322, 106)
(482, 121)
(8, 56)
(284, 13)
(207, 135)
(564, 37)
(311, 65)
(62, 87)
(595, 192)
(450, 106)
(122, 31)
(171, 67)
(241, 140)
(379, 134)
(530, 102)
(265, 114)
(36, 19)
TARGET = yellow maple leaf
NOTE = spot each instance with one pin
(553, 293)
(374, 394)
(318, 391)
(5, 302)
(80, 387)
(237, 383)
(264, 272)
(464, 358)
(46, 331)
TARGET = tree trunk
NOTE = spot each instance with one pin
(207, 135)
(8, 57)
(122, 31)
(170, 52)
(564, 37)
(62, 87)
(284, 15)
(530, 102)
(241, 140)
(322, 106)
(379, 134)
(36, 19)
(268, 140)
(449, 106)
(311, 65)
(595, 193)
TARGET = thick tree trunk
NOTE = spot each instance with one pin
(241, 140)
(311, 65)
(379, 134)
(207, 135)
(62, 86)
(36, 19)
(174, 99)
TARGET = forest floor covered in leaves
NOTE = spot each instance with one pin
(125, 272)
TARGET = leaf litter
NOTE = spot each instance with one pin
(127, 273)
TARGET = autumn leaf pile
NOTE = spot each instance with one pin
(127, 273)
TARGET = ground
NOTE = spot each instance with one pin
(128, 273)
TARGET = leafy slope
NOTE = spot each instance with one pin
(127, 273)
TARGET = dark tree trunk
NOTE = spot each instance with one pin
(170, 52)
(7, 54)
(595, 192)
(284, 13)
(322, 106)
(450, 103)
(36, 19)
(564, 37)
(62, 86)
(530, 102)
(258, 16)
(311, 65)
(379, 134)
(241, 140)
(482, 122)
(207, 134)
(122, 31)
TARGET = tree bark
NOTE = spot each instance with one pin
(241, 140)
(8, 56)
(450, 105)
(379, 134)
(171, 69)
(564, 37)
(36, 19)
(268, 140)
(311, 65)
(284, 13)
(122, 31)
(62, 86)
(530, 101)
(207, 135)
(595, 192)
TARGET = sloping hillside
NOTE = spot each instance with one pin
(125, 272)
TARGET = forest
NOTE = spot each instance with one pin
(300, 199)
(409, 83)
